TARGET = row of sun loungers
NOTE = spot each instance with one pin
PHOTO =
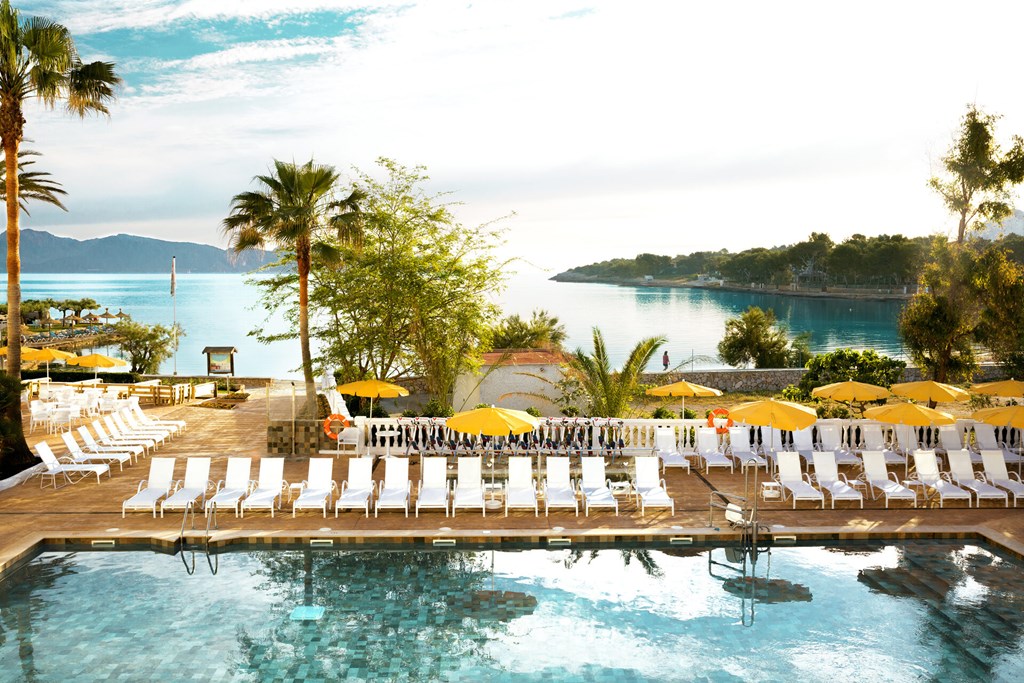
(160, 492)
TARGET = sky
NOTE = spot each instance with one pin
(608, 128)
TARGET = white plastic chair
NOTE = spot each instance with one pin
(595, 487)
(926, 467)
(267, 494)
(55, 468)
(650, 491)
(831, 481)
(78, 455)
(394, 494)
(559, 489)
(317, 488)
(193, 488)
(666, 446)
(794, 482)
(741, 449)
(151, 491)
(233, 487)
(878, 478)
(997, 475)
(469, 488)
(708, 449)
(962, 473)
(521, 491)
(358, 489)
(432, 490)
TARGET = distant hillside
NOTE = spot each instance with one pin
(42, 252)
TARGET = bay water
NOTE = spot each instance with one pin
(221, 309)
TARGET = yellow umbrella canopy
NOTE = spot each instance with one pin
(1006, 387)
(774, 413)
(49, 354)
(1001, 416)
(930, 390)
(371, 389)
(96, 361)
(851, 391)
(493, 421)
(912, 414)
(683, 389)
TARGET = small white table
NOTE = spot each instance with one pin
(387, 435)
(771, 490)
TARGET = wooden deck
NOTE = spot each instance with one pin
(89, 511)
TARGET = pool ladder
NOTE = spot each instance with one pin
(204, 546)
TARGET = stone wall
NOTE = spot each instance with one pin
(308, 437)
(249, 382)
(776, 379)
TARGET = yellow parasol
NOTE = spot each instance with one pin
(851, 391)
(773, 413)
(371, 389)
(46, 355)
(1001, 416)
(96, 361)
(1006, 387)
(493, 421)
(912, 414)
(930, 390)
(682, 389)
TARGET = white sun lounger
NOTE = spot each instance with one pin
(708, 450)
(233, 487)
(949, 438)
(106, 440)
(133, 424)
(985, 440)
(559, 490)
(55, 468)
(141, 417)
(926, 467)
(742, 451)
(962, 473)
(831, 437)
(118, 429)
(317, 488)
(521, 491)
(358, 489)
(432, 490)
(803, 442)
(996, 474)
(78, 455)
(394, 494)
(595, 487)
(831, 481)
(794, 482)
(194, 486)
(649, 489)
(267, 493)
(469, 487)
(667, 449)
(906, 439)
(871, 434)
(878, 478)
(151, 491)
(92, 446)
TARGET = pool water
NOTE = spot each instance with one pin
(921, 611)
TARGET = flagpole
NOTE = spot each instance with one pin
(174, 318)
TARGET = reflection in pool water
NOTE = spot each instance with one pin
(920, 611)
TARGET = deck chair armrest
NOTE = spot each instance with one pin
(892, 475)
(220, 485)
(334, 486)
(304, 485)
(807, 478)
(663, 485)
(175, 485)
(285, 485)
(142, 485)
(408, 486)
(344, 485)
(1014, 475)
(842, 478)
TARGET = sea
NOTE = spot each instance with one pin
(222, 310)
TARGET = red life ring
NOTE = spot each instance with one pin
(329, 422)
(719, 412)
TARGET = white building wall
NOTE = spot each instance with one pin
(503, 386)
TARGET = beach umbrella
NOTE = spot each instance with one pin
(121, 314)
(774, 413)
(1006, 387)
(913, 414)
(372, 388)
(682, 389)
(493, 421)
(46, 355)
(930, 391)
(96, 361)
(107, 315)
(1001, 416)
(851, 391)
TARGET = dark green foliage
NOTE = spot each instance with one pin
(16, 455)
(689, 414)
(70, 375)
(541, 331)
(323, 407)
(756, 338)
(570, 411)
(532, 411)
(435, 408)
(481, 405)
(841, 365)
(663, 413)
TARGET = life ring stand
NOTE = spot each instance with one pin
(720, 412)
(329, 424)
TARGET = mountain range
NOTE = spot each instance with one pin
(43, 252)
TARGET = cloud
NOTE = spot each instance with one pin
(610, 128)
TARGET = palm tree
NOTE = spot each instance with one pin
(610, 392)
(33, 185)
(293, 208)
(37, 58)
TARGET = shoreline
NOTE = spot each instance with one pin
(879, 295)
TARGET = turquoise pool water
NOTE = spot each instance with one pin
(924, 611)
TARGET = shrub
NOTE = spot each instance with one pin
(323, 407)
(435, 408)
(533, 411)
(409, 412)
(571, 411)
(663, 413)
(689, 414)
(481, 405)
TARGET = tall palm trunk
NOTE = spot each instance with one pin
(307, 360)
(13, 260)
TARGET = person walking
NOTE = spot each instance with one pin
(664, 360)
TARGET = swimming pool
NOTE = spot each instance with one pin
(920, 611)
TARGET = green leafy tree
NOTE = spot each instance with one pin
(147, 346)
(39, 59)
(756, 338)
(842, 365)
(541, 331)
(608, 392)
(979, 175)
(293, 209)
